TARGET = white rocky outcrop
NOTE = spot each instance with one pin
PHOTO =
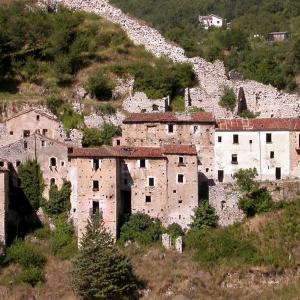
(264, 99)
(96, 121)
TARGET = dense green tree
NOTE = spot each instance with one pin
(100, 271)
(228, 99)
(245, 179)
(204, 217)
(32, 183)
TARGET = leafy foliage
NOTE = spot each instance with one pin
(32, 183)
(174, 230)
(32, 276)
(255, 199)
(204, 217)
(93, 137)
(99, 271)
(141, 228)
(59, 200)
(228, 99)
(106, 109)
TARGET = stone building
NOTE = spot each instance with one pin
(159, 181)
(51, 155)
(143, 130)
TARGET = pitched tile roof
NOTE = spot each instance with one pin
(170, 117)
(40, 112)
(288, 124)
(133, 152)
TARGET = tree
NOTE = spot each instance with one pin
(228, 99)
(204, 217)
(245, 180)
(99, 271)
(59, 200)
(32, 183)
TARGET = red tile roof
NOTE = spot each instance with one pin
(288, 124)
(169, 117)
(133, 152)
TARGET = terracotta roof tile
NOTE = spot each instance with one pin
(133, 152)
(169, 117)
(288, 124)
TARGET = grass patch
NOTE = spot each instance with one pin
(177, 104)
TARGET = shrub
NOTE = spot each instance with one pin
(32, 183)
(59, 200)
(106, 109)
(247, 114)
(62, 242)
(228, 99)
(100, 86)
(245, 179)
(93, 137)
(141, 228)
(25, 255)
(54, 104)
(70, 118)
(204, 217)
(174, 230)
(177, 104)
(99, 271)
(32, 276)
(42, 233)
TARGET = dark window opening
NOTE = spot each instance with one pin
(272, 155)
(62, 163)
(180, 160)
(95, 185)
(235, 138)
(25, 145)
(45, 131)
(299, 140)
(52, 181)
(250, 141)
(148, 199)
(234, 159)
(195, 129)
(219, 139)
(95, 209)
(268, 138)
(95, 164)
(1, 164)
(118, 142)
(220, 175)
(151, 181)
(11, 133)
(179, 201)
(18, 163)
(174, 191)
(142, 163)
(155, 107)
(278, 173)
(170, 128)
(43, 143)
(52, 162)
(26, 133)
(180, 178)
(125, 181)
(37, 117)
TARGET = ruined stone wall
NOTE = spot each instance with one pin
(294, 154)
(83, 176)
(97, 120)
(260, 98)
(182, 197)
(224, 199)
(4, 200)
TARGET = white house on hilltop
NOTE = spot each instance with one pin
(212, 20)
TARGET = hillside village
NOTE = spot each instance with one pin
(159, 162)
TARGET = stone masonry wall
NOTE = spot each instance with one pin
(264, 99)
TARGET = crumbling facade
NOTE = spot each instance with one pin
(4, 200)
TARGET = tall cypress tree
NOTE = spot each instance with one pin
(100, 271)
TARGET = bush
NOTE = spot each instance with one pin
(177, 104)
(174, 230)
(59, 200)
(42, 233)
(54, 104)
(204, 217)
(100, 271)
(32, 183)
(62, 242)
(245, 179)
(25, 255)
(32, 276)
(106, 109)
(70, 118)
(100, 86)
(93, 137)
(247, 114)
(141, 228)
(228, 99)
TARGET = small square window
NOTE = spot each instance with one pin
(235, 138)
(151, 181)
(118, 142)
(250, 141)
(1, 164)
(268, 138)
(43, 143)
(95, 208)
(26, 133)
(18, 163)
(37, 117)
(11, 133)
(195, 128)
(170, 128)
(180, 160)
(52, 181)
(62, 163)
(95, 185)
(179, 201)
(45, 131)
(234, 159)
(180, 178)
(174, 191)
(219, 139)
(272, 155)
(95, 164)
(25, 145)
(148, 199)
(142, 163)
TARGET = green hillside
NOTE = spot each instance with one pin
(274, 63)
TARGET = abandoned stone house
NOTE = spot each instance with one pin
(159, 181)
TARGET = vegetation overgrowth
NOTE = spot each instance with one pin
(244, 46)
